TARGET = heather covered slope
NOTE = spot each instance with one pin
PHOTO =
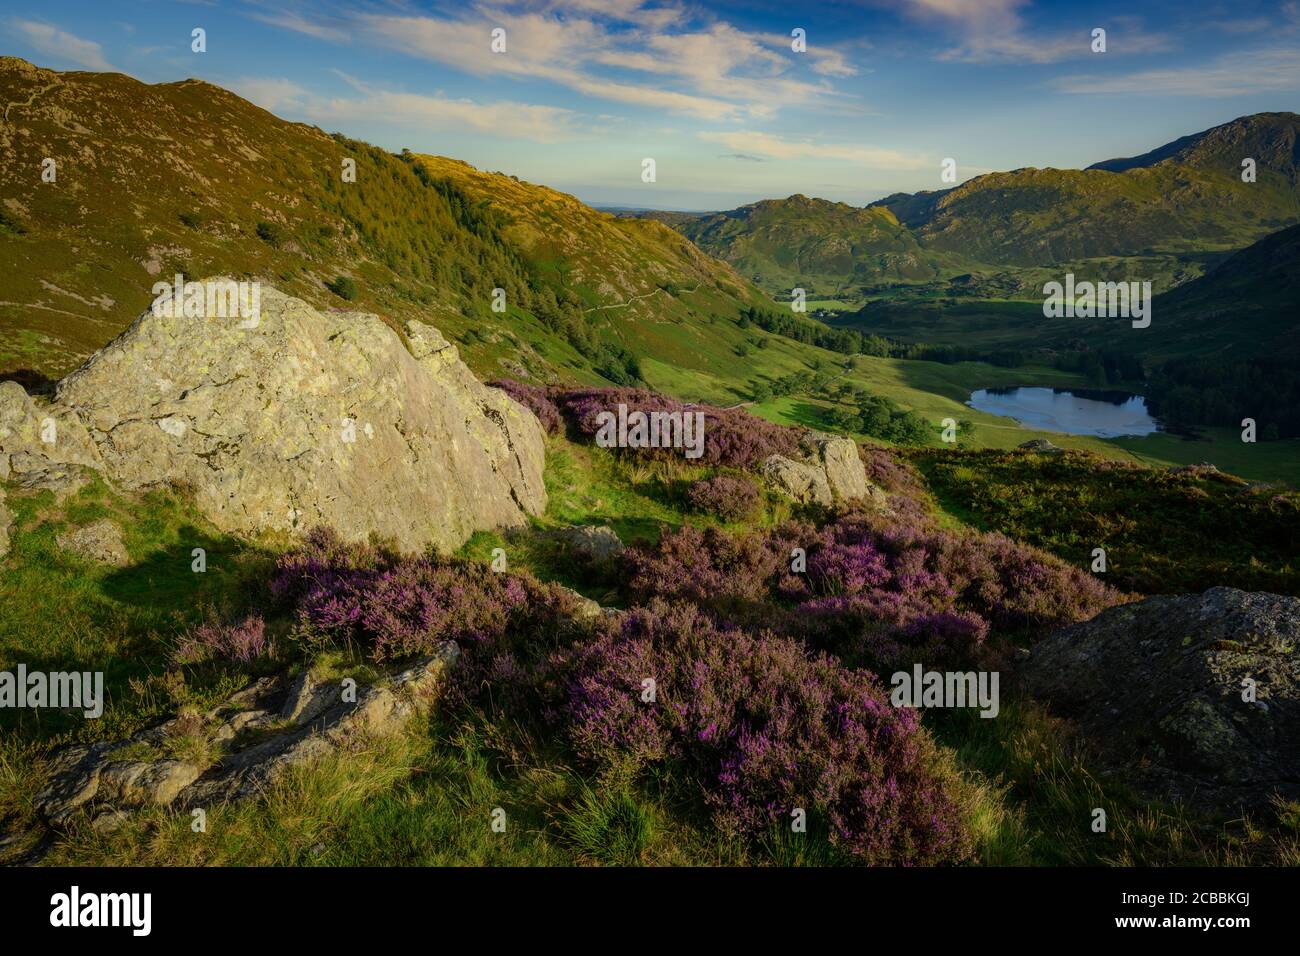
(544, 719)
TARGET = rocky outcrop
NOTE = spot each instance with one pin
(300, 419)
(1040, 445)
(829, 471)
(237, 749)
(100, 542)
(1197, 696)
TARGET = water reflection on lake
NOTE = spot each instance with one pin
(1080, 412)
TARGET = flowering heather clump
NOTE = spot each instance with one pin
(244, 642)
(728, 497)
(880, 591)
(886, 469)
(765, 727)
(535, 399)
(394, 607)
(732, 437)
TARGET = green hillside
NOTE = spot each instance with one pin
(827, 248)
(188, 178)
(1166, 216)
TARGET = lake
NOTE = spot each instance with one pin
(1104, 414)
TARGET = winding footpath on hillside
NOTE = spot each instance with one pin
(646, 295)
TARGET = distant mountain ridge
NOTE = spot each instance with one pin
(1181, 207)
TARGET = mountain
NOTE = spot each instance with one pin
(1177, 210)
(1248, 306)
(1178, 201)
(155, 180)
(824, 247)
(1268, 138)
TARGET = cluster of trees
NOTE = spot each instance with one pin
(879, 417)
(853, 342)
(806, 331)
(1199, 392)
(1103, 367)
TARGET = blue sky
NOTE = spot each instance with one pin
(586, 89)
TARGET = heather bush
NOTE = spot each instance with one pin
(764, 727)
(243, 643)
(733, 437)
(729, 497)
(877, 591)
(391, 607)
(535, 399)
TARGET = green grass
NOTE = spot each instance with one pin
(1026, 788)
(1162, 532)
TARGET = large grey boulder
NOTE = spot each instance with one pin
(308, 418)
(1197, 696)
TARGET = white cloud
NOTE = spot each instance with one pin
(1233, 74)
(271, 93)
(713, 72)
(300, 24)
(506, 118)
(993, 31)
(765, 144)
(61, 45)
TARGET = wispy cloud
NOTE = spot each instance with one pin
(1232, 74)
(60, 45)
(332, 31)
(504, 118)
(623, 51)
(775, 147)
(994, 31)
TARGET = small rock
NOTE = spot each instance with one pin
(587, 610)
(1040, 445)
(138, 783)
(100, 542)
(1202, 468)
(593, 543)
(838, 457)
(109, 821)
(6, 522)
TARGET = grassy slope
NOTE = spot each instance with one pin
(134, 203)
(427, 798)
